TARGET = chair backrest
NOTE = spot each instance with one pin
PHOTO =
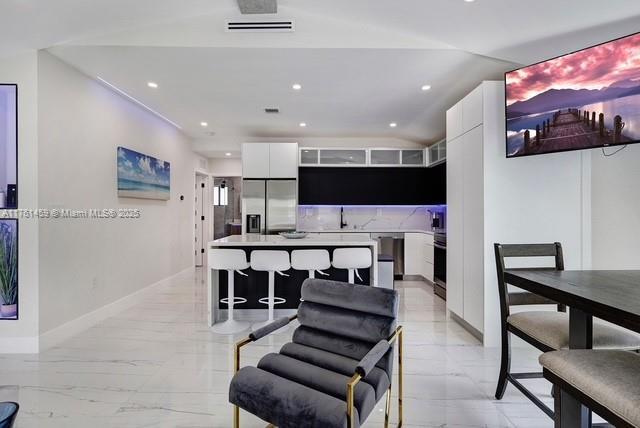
(504, 251)
(346, 319)
(8, 413)
(310, 259)
(270, 260)
(351, 258)
(227, 259)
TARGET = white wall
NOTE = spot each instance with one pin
(22, 335)
(530, 199)
(225, 167)
(615, 209)
(86, 264)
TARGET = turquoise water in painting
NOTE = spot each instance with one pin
(131, 185)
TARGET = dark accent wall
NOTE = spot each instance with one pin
(372, 185)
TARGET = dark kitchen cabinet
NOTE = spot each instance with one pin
(372, 185)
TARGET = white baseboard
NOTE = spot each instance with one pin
(65, 331)
(19, 345)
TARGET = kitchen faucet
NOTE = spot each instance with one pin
(343, 223)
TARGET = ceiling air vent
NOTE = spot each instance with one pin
(272, 110)
(260, 26)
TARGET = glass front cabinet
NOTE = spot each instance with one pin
(378, 157)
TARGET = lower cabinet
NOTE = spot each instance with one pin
(418, 254)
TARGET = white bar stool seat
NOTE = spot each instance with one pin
(232, 261)
(352, 259)
(311, 261)
(270, 261)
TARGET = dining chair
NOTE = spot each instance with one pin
(8, 414)
(545, 330)
(607, 382)
(337, 367)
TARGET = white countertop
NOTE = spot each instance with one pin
(313, 239)
(428, 232)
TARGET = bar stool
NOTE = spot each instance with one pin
(232, 261)
(352, 259)
(270, 261)
(311, 260)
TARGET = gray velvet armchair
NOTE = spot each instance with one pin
(338, 365)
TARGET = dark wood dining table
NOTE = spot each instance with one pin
(611, 295)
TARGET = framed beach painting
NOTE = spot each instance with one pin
(9, 269)
(142, 176)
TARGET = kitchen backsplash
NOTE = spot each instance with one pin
(319, 218)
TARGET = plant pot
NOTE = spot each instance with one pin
(8, 311)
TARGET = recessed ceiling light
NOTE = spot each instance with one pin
(425, 87)
(469, 1)
(393, 124)
(227, 154)
(303, 124)
(204, 124)
(153, 85)
(296, 86)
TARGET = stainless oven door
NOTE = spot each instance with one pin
(440, 270)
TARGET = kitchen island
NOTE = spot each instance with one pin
(255, 284)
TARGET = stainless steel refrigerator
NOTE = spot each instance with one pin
(274, 201)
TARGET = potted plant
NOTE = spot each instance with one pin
(8, 271)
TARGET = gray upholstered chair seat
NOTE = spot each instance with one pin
(285, 403)
(378, 378)
(552, 329)
(611, 378)
(319, 379)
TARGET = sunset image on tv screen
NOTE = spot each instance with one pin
(586, 99)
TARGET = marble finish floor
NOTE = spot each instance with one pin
(158, 365)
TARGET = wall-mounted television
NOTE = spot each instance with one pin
(583, 100)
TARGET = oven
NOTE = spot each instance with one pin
(440, 265)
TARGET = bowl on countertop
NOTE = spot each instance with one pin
(293, 235)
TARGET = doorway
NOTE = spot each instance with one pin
(226, 197)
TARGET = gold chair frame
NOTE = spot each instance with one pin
(355, 379)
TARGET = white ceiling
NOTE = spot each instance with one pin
(346, 92)
(361, 62)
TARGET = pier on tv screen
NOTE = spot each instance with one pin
(587, 99)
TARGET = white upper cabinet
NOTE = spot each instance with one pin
(269, 160)
(255, 160)
(454, 121)
(283, 160)
(472, 109)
